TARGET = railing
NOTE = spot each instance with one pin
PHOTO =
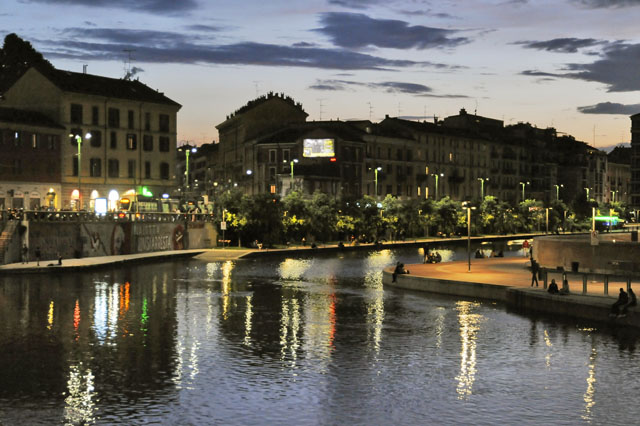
(604, 278)
(75, 216)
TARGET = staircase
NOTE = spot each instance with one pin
(5, 238)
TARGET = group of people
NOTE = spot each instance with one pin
(432, 257)
(553, 287)
(625, 300)
(480, 255)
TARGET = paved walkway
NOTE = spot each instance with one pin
(510, 272)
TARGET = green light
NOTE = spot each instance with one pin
(614, 219)
(146, 192)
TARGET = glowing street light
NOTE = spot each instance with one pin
(187, 151)
(482, 187)
(558, 191)
(547, 219)
(436, 175)
(614, 196)
(375, 172)
(291, 163)
(78, 139)
(587, 189)
(523, 185)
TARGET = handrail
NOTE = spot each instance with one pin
(584, 275)
(76, 216)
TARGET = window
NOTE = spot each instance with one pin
(164, 170)
(113, 143)
(17, 139)
(130, 122)
(147, 121)
(52, 142)
(74, 162)
(113, 168)
(114, 117)
(95, 115)
(164, 144)
(96, 138)
(131, 169)
(286, 155)
(132, 143)
(147, 142)
(272, 155)
(163, 122)
(76, 114)
(35, 141)
(147, 169)
(272, 173)
(95, 167)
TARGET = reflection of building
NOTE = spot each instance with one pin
(132, 127)
(29, 160)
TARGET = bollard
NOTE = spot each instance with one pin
(584, 284)
(628, 284)
(606, 285)
(545, 279)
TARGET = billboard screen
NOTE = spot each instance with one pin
(318, 148)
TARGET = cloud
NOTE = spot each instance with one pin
(429, 13)
(356, 4)
(565, 45)
(385, 86)
(610, 108)
(303, 44)
(602, 4)
(204, 28)
(355, 31)
(151, 6)
(170, 47)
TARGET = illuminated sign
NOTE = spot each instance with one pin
(318, 148)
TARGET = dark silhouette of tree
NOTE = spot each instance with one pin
(16, 57)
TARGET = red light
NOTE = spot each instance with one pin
(121, 215)
(333, 159)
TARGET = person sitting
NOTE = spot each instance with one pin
(437, 258)
(623, 299)
(632, 302)
(479, 254)
(553, 287)
(398, 270)
(500, 254)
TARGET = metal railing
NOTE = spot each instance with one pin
(75, 216)
(605, 279)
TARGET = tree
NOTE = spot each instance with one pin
(323, 216)
(16, 57)
(296, 218)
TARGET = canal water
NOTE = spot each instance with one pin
(296, 340)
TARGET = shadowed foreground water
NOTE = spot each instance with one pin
(296, 341)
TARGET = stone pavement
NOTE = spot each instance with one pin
(509, 272)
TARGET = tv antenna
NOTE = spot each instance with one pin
(320, 109)
(127, 64)
(256, 83)
(370, 110)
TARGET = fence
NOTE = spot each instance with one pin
(75, 216)
(605, 279)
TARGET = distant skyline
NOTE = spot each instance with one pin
(569, 64)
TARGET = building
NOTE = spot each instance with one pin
(30, 161)
(634, 200)
(618, 174)
(121, 134)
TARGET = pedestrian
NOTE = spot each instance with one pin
(59, 259)
(38, 255)
(623, 299)
(534, 272)
(25, 254)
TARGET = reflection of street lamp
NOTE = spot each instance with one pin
(558, 191)
(523, 184)
(78, 139)
(437, 176)
(547, 225)
(482, 187)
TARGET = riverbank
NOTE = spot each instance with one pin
(509, 280)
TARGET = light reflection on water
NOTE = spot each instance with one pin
(307, 340)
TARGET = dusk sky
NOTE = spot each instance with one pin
(570, 64)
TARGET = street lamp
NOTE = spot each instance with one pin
(187, 151)
(614, 196)
(547, 220)
(78, 139)
(482, 187)
(375, 172)
(523, 184)
(558, 191)
(587, 189)
(291, 163)
(437, 176)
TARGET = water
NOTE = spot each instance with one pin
(307, 340)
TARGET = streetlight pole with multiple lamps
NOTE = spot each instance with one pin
(78, 139)
(482, 180)
(436, 175)
(558, 191)
(523, 185)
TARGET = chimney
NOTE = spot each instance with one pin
(84, 68)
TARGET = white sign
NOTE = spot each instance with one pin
(223, 226)
(594, 238)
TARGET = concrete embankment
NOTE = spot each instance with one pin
(508, 281)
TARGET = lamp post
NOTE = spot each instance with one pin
(249, 172)
(375, 172)
(78, 139)
(482, 187)
(587, 189)
(291, 163)
(523, 185)
(614, 196)
(436, 175)
(558, 191)
(547, 219)
(187, 151)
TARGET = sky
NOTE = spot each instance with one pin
(569, 64)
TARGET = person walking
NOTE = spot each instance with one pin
(535, 268)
